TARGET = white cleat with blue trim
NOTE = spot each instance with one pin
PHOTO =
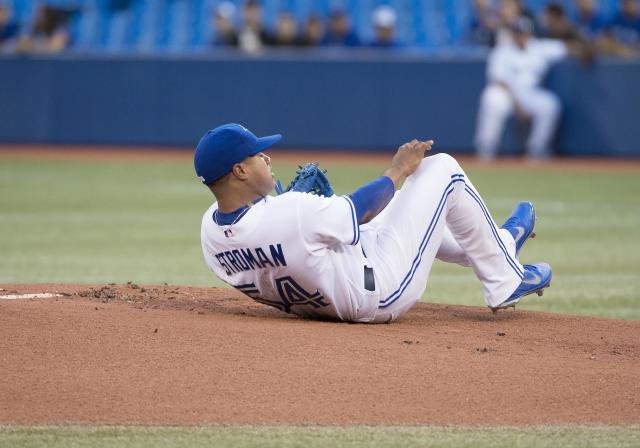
(537, 277)
(521, 223)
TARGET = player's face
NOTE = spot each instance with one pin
(260, 177)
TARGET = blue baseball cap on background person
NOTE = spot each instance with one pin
(221, 148)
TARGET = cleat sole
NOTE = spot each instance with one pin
(540, 293)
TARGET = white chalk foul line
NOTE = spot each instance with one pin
(39, 295)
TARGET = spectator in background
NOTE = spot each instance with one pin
(8, 27)
(252, 35)
(515, 71)
(50, 32)
(621, 36)
(384, 23)
(313, 33)
(340, 32)
(223, 22)
(286, 31)
(484, 24)
(557, 26)
(588, 20)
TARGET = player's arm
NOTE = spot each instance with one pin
(370, 199)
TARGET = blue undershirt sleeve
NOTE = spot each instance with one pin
(372, 198)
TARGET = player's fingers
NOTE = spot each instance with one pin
(422, 147)
(428, 144)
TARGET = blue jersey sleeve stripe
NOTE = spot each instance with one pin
(354, 221)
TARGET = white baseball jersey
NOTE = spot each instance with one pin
(524, 69)
(304, 254)
(297, 252)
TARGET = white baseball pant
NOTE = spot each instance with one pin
(496, 105)
(437, 213)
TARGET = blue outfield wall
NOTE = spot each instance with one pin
(344, 101)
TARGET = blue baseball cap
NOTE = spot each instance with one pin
(221, 148)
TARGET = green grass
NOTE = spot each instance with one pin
(86, 222)
(309, 437)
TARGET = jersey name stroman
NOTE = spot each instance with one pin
(238, 260)
(297, 252)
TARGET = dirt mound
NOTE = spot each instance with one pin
(129, 354)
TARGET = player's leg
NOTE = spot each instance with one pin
(451, 252)
(402, 242)
(544, 108)
(495, 107)
(519, 225)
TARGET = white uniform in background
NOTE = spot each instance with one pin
(307, 255)
(522, 70)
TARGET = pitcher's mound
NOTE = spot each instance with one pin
(129, 354)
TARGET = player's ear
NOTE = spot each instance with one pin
(239, 171)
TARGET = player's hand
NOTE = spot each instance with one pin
(409, 156)
(406, 160)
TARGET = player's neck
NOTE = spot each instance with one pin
(230, 204)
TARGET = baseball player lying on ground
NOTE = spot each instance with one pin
(363, 257)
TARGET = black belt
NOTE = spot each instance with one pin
(369, 279)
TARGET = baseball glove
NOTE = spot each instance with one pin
(309, 179)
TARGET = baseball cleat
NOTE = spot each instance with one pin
(537, 277)
(521, 223)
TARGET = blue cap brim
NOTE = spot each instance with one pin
(265, 142)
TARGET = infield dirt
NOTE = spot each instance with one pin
(166, 355)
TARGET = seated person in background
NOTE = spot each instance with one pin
(8, 27)
(621, 36)
(50, 32)
(286, 31)
(484, 24)
(252, 35)
(384, 23)
(515, 71)
(340, 32)
(223, 22)
(313, 33)
(588, 20)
